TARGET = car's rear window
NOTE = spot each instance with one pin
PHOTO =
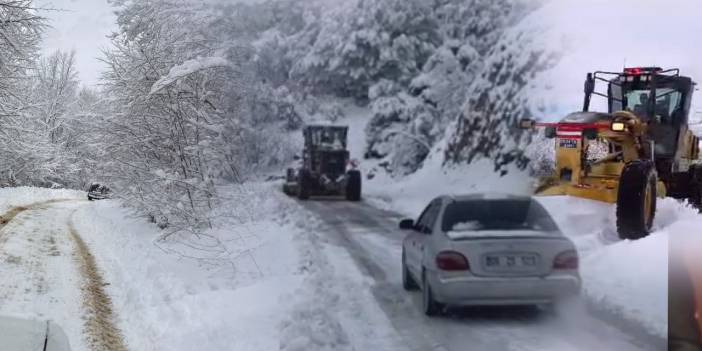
(499, 214)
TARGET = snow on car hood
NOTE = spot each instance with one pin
(467, 234)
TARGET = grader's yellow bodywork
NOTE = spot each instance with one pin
(632, 154)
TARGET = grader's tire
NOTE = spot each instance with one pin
(353, 185)
(694, 196)
(303, 187)
(636, 201)
(288, 191)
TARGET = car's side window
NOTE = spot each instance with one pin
(423, 217)
(428, 218)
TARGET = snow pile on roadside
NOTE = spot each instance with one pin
(24, 196)
(629, 278)
(334, 307)
(410, 195)
(167, 297)
(276, 283)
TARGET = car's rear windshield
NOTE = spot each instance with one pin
(503, 214)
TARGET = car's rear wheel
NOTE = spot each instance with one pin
(408, 283)
(429, 304)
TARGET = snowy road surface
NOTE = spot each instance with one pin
(320, 275)
(370, 236)
(47, 274)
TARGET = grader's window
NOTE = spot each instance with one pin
(667, 102)
(637, 101)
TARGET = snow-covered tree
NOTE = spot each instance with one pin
(21, 30)
(165, 83)
(54, 92)
(498, 99)
(363, 42)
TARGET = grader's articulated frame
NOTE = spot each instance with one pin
(639, 150)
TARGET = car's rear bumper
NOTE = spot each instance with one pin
(474, 290)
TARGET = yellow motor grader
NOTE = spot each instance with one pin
(640, 149)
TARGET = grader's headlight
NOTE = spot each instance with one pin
(618, 126)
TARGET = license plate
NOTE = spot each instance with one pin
(568, 143)
(510, 261)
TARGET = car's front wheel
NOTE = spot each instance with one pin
(408, 282)
(429, 304)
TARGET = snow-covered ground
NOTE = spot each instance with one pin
(271, 282)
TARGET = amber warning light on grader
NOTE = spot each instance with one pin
(618, 127)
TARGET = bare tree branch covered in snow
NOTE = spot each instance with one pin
(174, 99)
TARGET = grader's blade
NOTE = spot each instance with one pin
(593, 189)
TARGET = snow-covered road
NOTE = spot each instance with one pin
(319, 275)
(370, 236)
(46, 273)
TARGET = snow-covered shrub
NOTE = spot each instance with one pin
(174, 97)
(401, 129)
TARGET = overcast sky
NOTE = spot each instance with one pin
(81, 25)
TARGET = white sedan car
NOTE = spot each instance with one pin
(487, 250)
(31, 335)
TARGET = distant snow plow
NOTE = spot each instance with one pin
(640, 150)
(326, 167)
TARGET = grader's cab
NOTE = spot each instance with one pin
(640, 149)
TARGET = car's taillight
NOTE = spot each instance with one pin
(452, 261)
(566, 260)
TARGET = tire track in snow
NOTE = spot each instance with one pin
(102, 334)
(8, 216)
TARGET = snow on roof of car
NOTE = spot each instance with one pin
(489, 196)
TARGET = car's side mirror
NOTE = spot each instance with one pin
(407, 224)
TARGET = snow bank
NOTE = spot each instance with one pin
(409, 196)
(177, 296)
(628, 278)
(270, 282)
(335, 307)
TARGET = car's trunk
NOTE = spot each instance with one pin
(508, 255)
